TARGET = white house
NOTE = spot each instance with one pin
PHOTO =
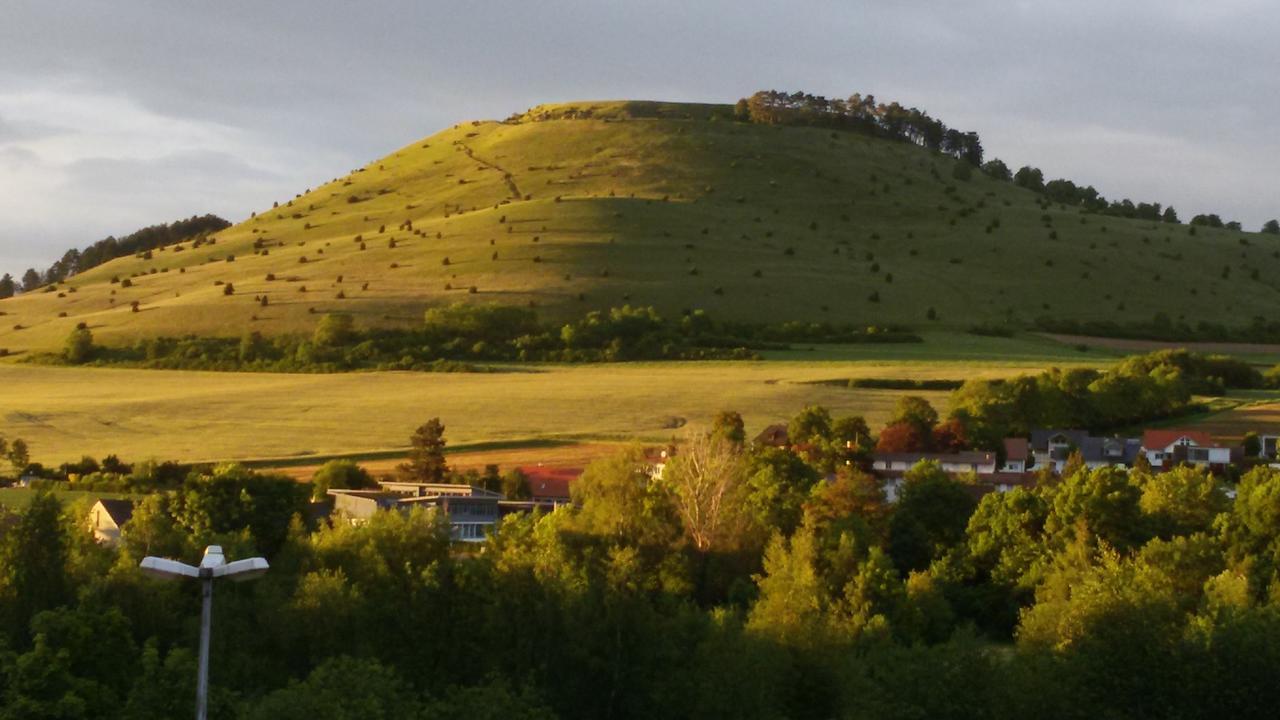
(1166, 448)
(1269, 447)
(107, 518)
(978, 462)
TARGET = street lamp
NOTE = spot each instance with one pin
(213, 565)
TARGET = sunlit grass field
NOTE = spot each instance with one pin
(16, 498)
(66, 412)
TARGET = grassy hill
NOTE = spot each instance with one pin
(588, 205)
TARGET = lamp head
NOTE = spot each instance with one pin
(212, 557)
(165, 569)
(213, 565)
(242, 570)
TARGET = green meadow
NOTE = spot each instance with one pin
(17, 498)
(64, 412)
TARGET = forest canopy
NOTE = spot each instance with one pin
(744, 582)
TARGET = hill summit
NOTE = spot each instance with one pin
(588, 205)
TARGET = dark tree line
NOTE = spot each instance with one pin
(1162, 327)
(1138, 390)
(861, 114)
(148, 238)
(1088, 199)
(452, 336)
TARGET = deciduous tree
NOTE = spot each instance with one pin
(19, 455)
(915, 411)
(707, 483)
(728, 425)
(79, 346)
(900, 437)
(340, 475)
(334, 330)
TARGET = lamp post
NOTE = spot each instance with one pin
(212, 566)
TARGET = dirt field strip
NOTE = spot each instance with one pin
(566, 456)
(1231, 425)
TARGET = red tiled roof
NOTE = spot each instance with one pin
(1159, 439)
(550, 483)
(1016, 448)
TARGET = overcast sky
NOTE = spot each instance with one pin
(115, 115)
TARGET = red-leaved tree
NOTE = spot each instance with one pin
(900, 437)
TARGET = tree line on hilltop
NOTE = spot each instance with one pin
(892, 120)
(860, 114)
(76, 261)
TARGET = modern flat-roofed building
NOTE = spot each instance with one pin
(471, 511)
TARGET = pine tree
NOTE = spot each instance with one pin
(30, 280)
(426, 458)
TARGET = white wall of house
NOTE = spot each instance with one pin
(961, 467)
(985, 468)
(1014, 466)
(1196, 454)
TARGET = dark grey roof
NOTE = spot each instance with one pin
(1040, 438)
(1092, 449)
(120, 511)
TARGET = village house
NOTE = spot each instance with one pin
(981, 467)
(772, 436)
(1269, 447)
(1053, 448)
(978, 462)
(107, 519)
(1017, 455)
(656, 460)
(891, 467)
(1166, 448)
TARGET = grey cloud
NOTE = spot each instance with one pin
(351, 81)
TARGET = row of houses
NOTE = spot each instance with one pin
(473, 511)
(1023, 458)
